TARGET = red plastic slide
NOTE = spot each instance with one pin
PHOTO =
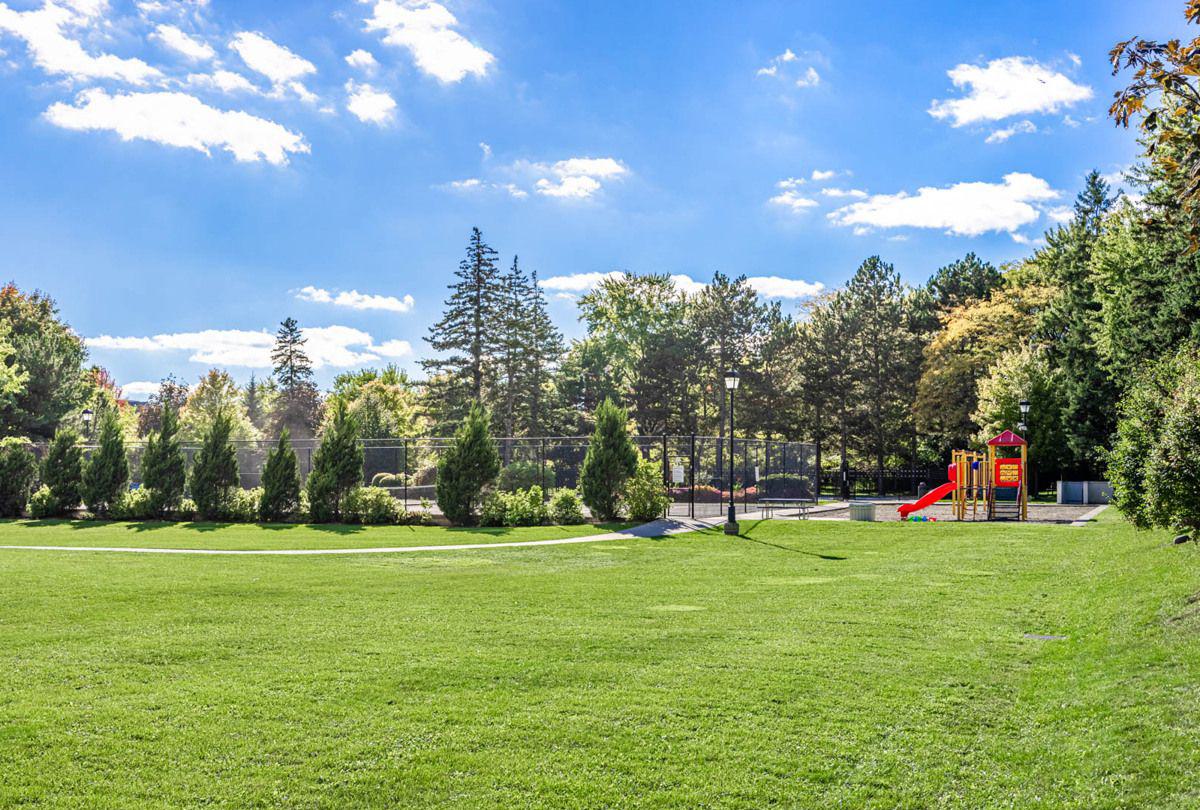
(930, 498)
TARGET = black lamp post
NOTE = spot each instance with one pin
(731, 384)
(87, 421)
(1023, 427)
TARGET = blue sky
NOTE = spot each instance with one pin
(182, 175)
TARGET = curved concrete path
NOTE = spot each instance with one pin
(657, 528)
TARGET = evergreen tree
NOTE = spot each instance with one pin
(466, 467)
(280, 482)
(883, 393)
(611, 458)
(513, 344)
(163, 466)
(826, 358)
(18, 469)
(106, 476)
(254, 400)
(298, 405)
(731, 322)
(466, 338)
(544, 353)
(337, 466)
(62, 471)
(1073, 321)
(215, 470)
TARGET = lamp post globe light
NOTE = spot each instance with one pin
(1024, 406)
(87, 421)
(731, 384)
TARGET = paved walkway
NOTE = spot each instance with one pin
(658, 528)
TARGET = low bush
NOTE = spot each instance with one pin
(43, 504)
(644, 495)
(521, 475)
(186, 510)
(371, 506)
(18, 468)
(134, 504)
(566, 508)
(524, 508)
(241, 506)
(386, 479)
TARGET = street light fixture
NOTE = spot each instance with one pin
(731, 384)
(1024, 406)
(87, 421)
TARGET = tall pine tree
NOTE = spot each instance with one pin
(465, 338)
(298, 406)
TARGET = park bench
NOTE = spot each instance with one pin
(768, 506)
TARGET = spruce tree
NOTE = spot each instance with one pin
(163, 465)
(337, 466)
(62, 471)
(298, 405)
(106, 476)
(611, 458)
(280, 482)
(18, 469)
(513, 344)
(254, 403)
(466, 338)
(215, 470)
(544, 352)
(466, 467)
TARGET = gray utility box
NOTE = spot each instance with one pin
(1084, 492)
(862, 511)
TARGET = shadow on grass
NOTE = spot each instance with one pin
(746, 536)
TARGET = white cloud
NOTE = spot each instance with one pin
(139, 390)
(183, 43)
(577, 282)
(362, 60)
(963, 209)
(336, 346)
(578, 178)
(355, 300)
(177, 119)
(475, 184)
(810, 78)
(1014, 85)
(44, 32)
(1061, 214)
(786, 66)
(777, 287)
(369, 104)
(486, 149)
(426, 29)
(687, 284)
(225, 81)
(821, 175)
(1003, 134)
(284, 68)
(844, 192)
(791, 183)
(793, 201)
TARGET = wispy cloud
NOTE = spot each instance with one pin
(1003, 88)
(353, 299)
(428, 31)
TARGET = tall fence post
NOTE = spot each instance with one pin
(692, 487)
(545, 492)
(406, 475)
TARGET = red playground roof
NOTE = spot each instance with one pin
(1007, 439)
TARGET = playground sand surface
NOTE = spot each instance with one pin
(1038, 513)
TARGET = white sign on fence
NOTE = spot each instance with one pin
(677, 474)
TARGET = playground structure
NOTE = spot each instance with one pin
(988, 486)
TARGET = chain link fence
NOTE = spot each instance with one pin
(696, 469)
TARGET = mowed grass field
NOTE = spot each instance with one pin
(813, 664)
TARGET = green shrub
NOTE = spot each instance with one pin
(215, 470)
(371, 506)
(186, 510)
(241, 506)
(43, 504)
(494, 509)
(611, 458)
(521, 475)
(645, 496)
(524, 508)
(106, 475)
(566, 508)
(163, 466)
(385, 479)
(337, 466)
(18, 468)
(280, 482)
(466, 467)
(62, 471)
(134, 504)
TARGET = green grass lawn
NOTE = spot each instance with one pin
(809, 664)
(154, 534)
